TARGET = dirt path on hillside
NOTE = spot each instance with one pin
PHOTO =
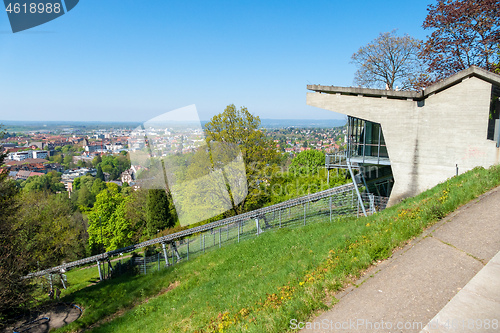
(50, 317)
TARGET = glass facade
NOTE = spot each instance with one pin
(366, 147)
(493, 121)
(366, 142)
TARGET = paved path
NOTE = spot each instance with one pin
(443, 281)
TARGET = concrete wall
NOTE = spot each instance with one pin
(426, 143)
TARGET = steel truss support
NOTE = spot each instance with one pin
(174, 250)
(99, 269)
(257, 225)
(164, 248)
(62, 280)
(360, 200)
(110, 267)
(263, 218)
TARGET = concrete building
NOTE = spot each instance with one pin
(419, 138)
(18, 156)
(42, 154)
(69, 176)
(23, 155)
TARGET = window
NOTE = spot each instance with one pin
(493, 121)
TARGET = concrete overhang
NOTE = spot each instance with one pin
(356, 91)
(472, 71)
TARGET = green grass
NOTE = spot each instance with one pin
(78, 279)
(260, 284)
(81, 278)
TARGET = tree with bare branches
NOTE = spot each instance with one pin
(389, 62)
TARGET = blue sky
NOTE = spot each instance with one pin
(131, 60)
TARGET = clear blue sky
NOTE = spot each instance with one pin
(131, 60)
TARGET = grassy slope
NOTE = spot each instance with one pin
(260, 284)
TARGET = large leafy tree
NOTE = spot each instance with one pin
(85, 198)
(159, 212)
(100, 174)
(239, 128)
(123, 219)
(49, 182)
(50, 229)
(464, 33)
(14, 292)
(82, 195)
(135, 209)
(389, 61)
(307, 162)
(115, 165)
(107, 229)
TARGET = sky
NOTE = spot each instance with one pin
(132, 60)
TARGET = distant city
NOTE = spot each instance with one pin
(71, 148)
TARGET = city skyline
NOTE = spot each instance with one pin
(117, 61)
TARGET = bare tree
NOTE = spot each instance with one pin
(389, 62)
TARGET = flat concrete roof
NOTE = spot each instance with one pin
(472, 71)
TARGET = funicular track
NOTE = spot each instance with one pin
(340, 191)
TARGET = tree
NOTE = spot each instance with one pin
(50, 230)
(97, 186)
(83, 181)
(103, 220)
(115, 165)
(241, 128)
(135, 212)
(389, 61)
(57, 159)
(466, 33)
(83, 164)
(497, 65)
(66, 149)
(96, 160)
(49, 182)
(100, 174)
(14, 292)
(85, 198)
(158, 212)
(307, 162)
(68, 159)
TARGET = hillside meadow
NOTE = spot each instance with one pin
(259, 285)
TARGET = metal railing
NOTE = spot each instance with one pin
(339, 201)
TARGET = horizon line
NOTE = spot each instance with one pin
(137, 121)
